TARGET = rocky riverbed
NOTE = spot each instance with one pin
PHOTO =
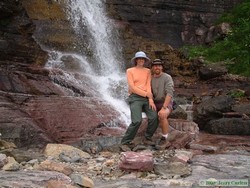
(61, 165)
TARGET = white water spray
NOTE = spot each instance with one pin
(89, 16)
(104, 67)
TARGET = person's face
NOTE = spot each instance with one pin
(157, 69)
(140, 61)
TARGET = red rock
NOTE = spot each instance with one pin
(142, 161)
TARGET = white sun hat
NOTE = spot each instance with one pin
(140, 54)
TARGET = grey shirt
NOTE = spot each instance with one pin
(162, 86)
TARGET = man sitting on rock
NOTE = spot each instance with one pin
(162, 88)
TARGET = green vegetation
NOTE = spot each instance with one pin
(234, 49)
(237, 93)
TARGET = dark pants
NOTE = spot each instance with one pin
(159, 105)
(138, 105)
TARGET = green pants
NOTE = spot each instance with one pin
(138, 105)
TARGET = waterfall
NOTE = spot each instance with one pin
(100, 55)
(89, 16)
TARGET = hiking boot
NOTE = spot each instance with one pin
(149, 142)
(139, 148)
(125, 147)
(163, 144)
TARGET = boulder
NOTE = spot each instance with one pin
(229, 126)
(142, 161)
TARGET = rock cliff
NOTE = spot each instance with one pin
(169, 21)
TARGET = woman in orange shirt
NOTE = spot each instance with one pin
(140, 100)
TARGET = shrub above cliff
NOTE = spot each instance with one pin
(235, 47)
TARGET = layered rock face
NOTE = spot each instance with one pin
(53, 30)
(172, 22)
(18, 52)
(17, 44)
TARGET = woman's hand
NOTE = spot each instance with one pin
(149, 95)
(152, 104)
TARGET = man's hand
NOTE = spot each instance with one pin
(163, 113)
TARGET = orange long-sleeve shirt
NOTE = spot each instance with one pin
(139, 80)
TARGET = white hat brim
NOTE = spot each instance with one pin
(147, 60)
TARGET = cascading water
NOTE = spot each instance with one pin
(89, 17)
(104, 65)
